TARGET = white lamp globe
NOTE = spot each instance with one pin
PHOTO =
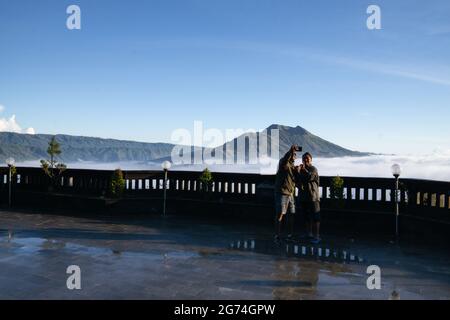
(396, 170)
(166, 165)
(10, 162)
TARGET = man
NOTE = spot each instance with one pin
(309, 198)
(284, 191)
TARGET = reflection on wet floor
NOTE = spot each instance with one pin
(149, 259)
(297, 249)
(262, 246)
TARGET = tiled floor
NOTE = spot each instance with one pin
(139, 257)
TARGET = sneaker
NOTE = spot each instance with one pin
(315, 240)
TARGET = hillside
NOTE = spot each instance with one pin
(77, 148)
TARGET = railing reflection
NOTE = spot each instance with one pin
(300, 250)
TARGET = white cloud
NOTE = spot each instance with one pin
(11, 125)
(433, 166)
(30, 131)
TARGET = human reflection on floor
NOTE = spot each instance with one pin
(298, 276)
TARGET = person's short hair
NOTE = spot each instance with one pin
(306, 154)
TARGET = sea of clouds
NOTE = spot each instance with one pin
(433, 166)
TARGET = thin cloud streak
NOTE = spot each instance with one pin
(370, 66)
(309, 54)
(386, 69)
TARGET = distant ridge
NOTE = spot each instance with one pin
(77, 148)
(25, 147)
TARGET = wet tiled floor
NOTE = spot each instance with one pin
(138, 257)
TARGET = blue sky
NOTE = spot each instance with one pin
(141, 69)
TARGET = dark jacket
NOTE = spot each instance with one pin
(285, 178)
(308, 184)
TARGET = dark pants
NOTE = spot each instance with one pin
(310, 210)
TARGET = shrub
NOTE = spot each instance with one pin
(117, 184)
(206, 179)
(13, 171)
(337, 188)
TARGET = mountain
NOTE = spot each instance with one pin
(76, 148)
(288, 136)
(310, 143)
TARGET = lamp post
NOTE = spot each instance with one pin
(396, 171)
(10, 162)
(166, 166)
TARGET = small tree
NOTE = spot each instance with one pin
(52, 168)
(117, 184)
(206, 179)
(13, 171)
(403, 188)
(337, 190)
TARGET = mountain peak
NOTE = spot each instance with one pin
(295, 130)
(310, 142)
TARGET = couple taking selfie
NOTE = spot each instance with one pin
(306, 178)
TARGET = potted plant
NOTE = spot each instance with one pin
(337, 192)
(117, 186)
(206, 179)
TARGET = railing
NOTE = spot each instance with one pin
(423, 198)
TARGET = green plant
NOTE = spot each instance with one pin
(206, 179)
(117, 183)
(13, 171)
(337, 188)
(52, 168)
